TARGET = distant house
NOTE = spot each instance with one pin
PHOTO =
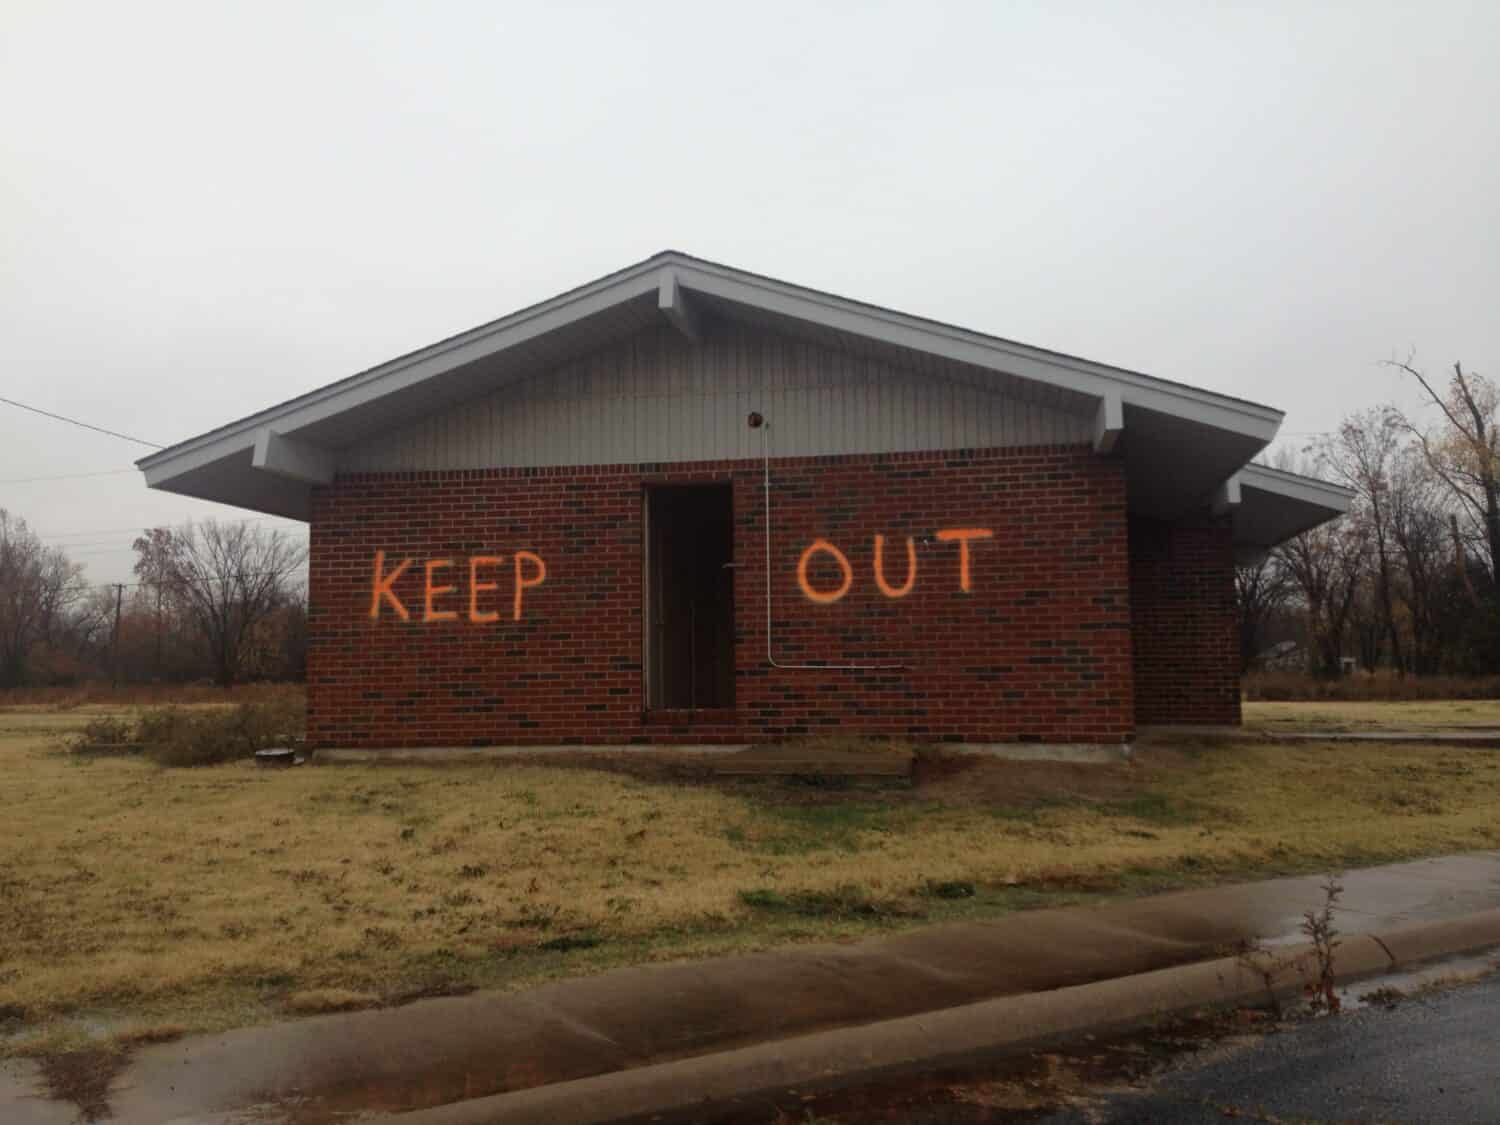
(685, 503)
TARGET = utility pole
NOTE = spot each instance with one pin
(114, 641)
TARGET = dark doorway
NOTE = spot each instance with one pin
(689, 596)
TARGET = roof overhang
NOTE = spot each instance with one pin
(1179, 443)
(1269, 506)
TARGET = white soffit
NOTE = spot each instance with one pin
(1218, 433)
(1275, 505)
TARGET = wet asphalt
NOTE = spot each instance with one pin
(1432, 1058)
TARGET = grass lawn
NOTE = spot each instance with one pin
(144, 901)
(1452, 715)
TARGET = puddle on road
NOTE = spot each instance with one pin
(1023, 1088)
(1037, 1084)
(1389, 990)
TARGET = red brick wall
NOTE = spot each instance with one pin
(1183, 622)
(1038, 648)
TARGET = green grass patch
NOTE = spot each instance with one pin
(1161, 809)
(949, 888)
(568, 943)
(848, 900)
(797, 829)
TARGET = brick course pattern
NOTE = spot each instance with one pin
(1183, 622)
(1039, 648)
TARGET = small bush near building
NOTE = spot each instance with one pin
(178, 736)
(106, 736)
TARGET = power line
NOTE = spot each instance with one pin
(146, 526)
(237, 576)
(84, 550)
(76, 422)
(67, 476)
(108, 544)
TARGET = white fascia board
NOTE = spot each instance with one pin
(1227, 497)
(1204, 407)
(1109, 422)
(406, 371)
(676, 307)
(686, 273)
(1335, 497)
(287, 457)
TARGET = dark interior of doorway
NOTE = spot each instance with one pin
(690, 596)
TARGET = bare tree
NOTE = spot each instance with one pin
(1418, 527)
(37, 587)
(1362, 454)
(1261, 587)
(229, 577)
(1464, 451)
(1325, 565)
(155, 566)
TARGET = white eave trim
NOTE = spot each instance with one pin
(295, 460)
(676, 307)
(1228, 496)
(668, 275)
(1048, 368)
(1109, 422)
(408, 370)
(1321, 493)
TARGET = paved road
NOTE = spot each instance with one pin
(1432, 1059)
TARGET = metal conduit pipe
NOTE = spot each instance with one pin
(765, 455)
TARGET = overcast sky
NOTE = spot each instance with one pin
(211, 207)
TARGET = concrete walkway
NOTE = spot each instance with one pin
(435, 1052)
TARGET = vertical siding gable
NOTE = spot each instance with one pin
(660, 397)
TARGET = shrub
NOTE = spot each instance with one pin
(105, 736)
(180, 738)
(161, 725)
(173, 736)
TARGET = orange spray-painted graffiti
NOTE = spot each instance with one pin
(963, 536)
(382, 590)
(530, 571)
(476, 587)
(430, 593)
(911, 568)
(824, 597)
(522, 582)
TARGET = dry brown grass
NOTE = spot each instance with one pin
(1453, 715)
(134, 895)
(138, 695)
(1383, 685)
(313, 1001)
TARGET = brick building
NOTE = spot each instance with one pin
(684, 503)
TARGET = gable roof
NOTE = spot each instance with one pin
(1180, 443)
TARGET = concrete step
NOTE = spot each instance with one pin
(804, 761)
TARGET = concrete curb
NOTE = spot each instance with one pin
(703, 1087)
